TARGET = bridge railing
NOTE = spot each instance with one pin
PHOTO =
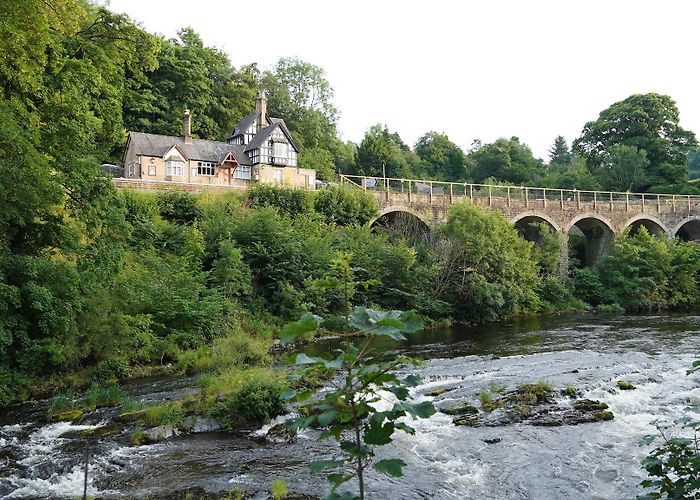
(441, 191)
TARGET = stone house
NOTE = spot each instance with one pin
(260, 149)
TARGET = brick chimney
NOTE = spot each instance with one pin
(187, 126)
(261, 110)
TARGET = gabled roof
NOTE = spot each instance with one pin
(265, 134)
(211, 151)
(244, 125)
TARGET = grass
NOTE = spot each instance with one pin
(61, 403)
(279, 489)
(137, 436)
(570, 390)
(166, 414)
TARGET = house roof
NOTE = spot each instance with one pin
(244, 124)
(265, 133)
(212, 151)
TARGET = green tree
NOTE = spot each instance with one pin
(506, 160)
(625, 169)
(574, 175)
(559, 153)
(648, 122)
(190, 75)
(694, 164)
(488, 270)
(441, 158)
(381, 150)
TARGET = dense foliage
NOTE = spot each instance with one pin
(643, 273)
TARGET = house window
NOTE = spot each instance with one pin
(279, 152)
(174, 168)
(277, 175)
(206, 168)
(310, 180)
(243, 172)
(151, 170)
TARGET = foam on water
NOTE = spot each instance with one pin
(62, 485)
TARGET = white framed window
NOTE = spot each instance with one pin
(152, 170)
(277, 175)
(174, 168)
(279, 150)
(243, 172)
(206, 168)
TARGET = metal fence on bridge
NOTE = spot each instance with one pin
(430, 191)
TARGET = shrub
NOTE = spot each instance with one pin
(345, 206)
(586, 286)
(256, 402)
(289, 201)
(178, 206)
(488, 270)
(113, 368)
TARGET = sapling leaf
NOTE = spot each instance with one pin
(390, 466)
(327, 417)
(646, 440)
(378, 433)
(308, 323)
(303, 359)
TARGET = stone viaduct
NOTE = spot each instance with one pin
(598, 216)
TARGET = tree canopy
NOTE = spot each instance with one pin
(647, 122)
(506, 160)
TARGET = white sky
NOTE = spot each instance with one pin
(470, 69)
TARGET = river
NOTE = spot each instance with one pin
(595, 460)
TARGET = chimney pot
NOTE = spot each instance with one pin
(187, 126)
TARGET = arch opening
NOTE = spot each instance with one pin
(401, 224)
(534, 228)
(689, 231)
(589, 239)
(653, 227)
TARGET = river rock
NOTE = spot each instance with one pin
(206, 425)
(589, 405)
(280, 433)
(438, 391)
(131, 416)
(462, 408)
(66, 416)
(160, 433)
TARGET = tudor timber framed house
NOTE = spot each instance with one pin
(260, 149)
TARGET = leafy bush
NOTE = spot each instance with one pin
(178, 206)
(586, 286)
(115, 367)
(643, 272)
(256, 402)
(488, 270)
(345, 206)
(289, 201)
